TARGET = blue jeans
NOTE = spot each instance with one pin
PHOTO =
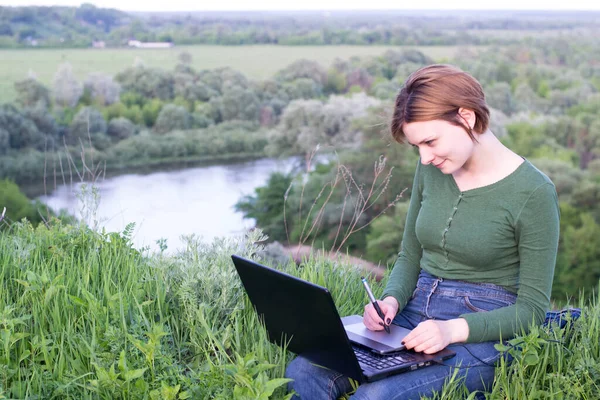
(434, 298)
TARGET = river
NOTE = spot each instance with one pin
(169, 204)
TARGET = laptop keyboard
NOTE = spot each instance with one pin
(378, 361)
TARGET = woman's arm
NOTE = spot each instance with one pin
(537, 232)
(404, 276)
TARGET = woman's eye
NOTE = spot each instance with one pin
(430, 142)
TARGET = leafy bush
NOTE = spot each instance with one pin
(18, 206)
(171, 118)
(121, 128)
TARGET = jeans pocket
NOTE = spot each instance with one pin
(482, 303)
(414, 293)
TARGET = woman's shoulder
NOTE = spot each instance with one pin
(533, 177)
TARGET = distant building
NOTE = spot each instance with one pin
(149, 45)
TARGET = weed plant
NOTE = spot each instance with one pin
(83, 315)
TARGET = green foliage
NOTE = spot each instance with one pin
(121, 128)
(552, 363)
(578, 266)
(67, 89)
(303, 69)
(172, 118)
(102, 89)
(17, 205)
(385, 235)
(238, 103)
(219, 142)
(31, 93)
(89, 125)
(266, 205)
(20, 130)
(123, 324)
(147, 82)
(530, 141)
(251, 381)
(335, 83)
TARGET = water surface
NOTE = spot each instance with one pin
(169, 204)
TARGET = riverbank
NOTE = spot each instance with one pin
(46, 185)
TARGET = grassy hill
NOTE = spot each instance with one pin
(83, 315)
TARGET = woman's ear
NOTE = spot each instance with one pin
(468, 116)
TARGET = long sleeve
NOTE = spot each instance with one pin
(403, 278)
(537, 233)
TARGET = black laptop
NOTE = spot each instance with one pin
(303, 316)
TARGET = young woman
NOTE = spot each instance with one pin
(478, 250)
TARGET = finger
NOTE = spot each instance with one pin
(416, 337)
(371, 320)
(427, 345)
(374, 315)
(389, 313)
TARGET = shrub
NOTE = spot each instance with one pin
(18, 206)
(121, 128)
(171, 118)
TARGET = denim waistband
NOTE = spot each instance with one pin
(455, 288)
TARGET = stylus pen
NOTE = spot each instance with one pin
(372, 298)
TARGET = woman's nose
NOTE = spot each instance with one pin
(426, 156)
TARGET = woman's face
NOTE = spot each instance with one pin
(440, 143)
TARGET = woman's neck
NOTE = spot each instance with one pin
(490, 160)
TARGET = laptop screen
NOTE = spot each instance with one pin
(301, 314)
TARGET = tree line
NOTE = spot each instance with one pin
(147, 115)
(80, 26)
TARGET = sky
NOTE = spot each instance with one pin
(232, 5)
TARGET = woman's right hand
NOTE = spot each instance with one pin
(372, 320)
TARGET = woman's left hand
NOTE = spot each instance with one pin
(432, 336)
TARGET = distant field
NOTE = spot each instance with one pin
(257, 62)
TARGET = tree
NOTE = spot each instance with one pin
(336, 82)
(580, 267)
(300, 128)
(305, 124)
(499, 96)
(21, 130)
(385, 90)
(303, 69)
(302, 88)
(67, 89)
(121, 128)
(89, 124)
(4, 141)
(18, 206)
(43, 120)
(360, 77)
(102, 88)
(339, 113)
(266, 206)
(31, 93)
(147, 82)
(239, 103)
(171, 118)
(385, 235)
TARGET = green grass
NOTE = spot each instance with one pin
(256, 62)
(85, 316)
